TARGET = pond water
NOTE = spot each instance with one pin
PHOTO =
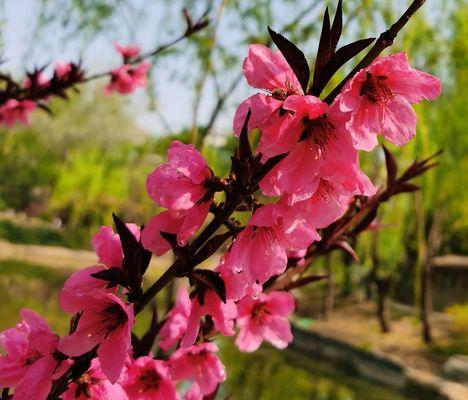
(269, 374)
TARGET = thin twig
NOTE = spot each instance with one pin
(385, 40)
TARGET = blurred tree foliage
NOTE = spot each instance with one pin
(86, 161)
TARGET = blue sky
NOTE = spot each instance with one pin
(174, 100)
(154, 27)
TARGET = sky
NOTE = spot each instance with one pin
(98, 54)
(154, 26)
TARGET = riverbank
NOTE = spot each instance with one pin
(351, 340)
(377, 367)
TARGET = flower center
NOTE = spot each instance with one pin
(259, 312)
(113, 317)
(375, 89)
(326, 191)
(281, 93)
(31, 357)
(320, 131)
(83, 385)
(149, 380)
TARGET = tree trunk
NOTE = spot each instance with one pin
(327, 302)
(426, 302)
(348, 261)
(383, 288)
(433, 244)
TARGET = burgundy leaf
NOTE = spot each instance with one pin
(208, 279)
(128, 240)
(294, 56)
(343, 55)
(324, 52)
(365, 222)
(347, 247)
(406, 188)
(304, 281)
(171, 238)
(244, 149)
(113, 274)
(211, 246)
(337, 26)
(392, 167)
(136, 259)
(267, 166)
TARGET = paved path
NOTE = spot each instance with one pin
(58, 257)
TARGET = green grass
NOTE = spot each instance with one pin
(42, 235)
(271, 374)
(457, 343)
(25, 285)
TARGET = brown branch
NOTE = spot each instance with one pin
(385, 40)
(180, 263)
(15, 91)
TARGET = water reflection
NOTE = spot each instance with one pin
(269, 374)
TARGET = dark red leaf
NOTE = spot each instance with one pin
(267, 166)
(337, 26)
(136, 259)
(324, 52)
(392, 167)
(347, 247)
(244, 148)
(128, 240)
(208, 279)
(304, 281)
(406, 188)
(337, 60)
(211, 247)
(113, 274)
(365, 222)
(171, 238)
(294, 56)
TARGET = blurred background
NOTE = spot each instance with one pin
(62, 176)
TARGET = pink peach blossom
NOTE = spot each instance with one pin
(39, 80)
(62, 69)
(275, 112)
(198, 363)
(326, 145)
(274, 229)
(127, 78)
(238, 283)
(148, 379)
(264, 318)
(184, 227)
(223, 315)
(93, 385)
(268, 70)
(129, 51)
(106, 321)
(179, 184)
(14, 111)
(108, 248)
(176, 324)
(379, 100)
(332, 196)
(194, 392)
(107, 245)
(79, 284)
(29, 365)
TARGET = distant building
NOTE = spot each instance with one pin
(450, 280)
